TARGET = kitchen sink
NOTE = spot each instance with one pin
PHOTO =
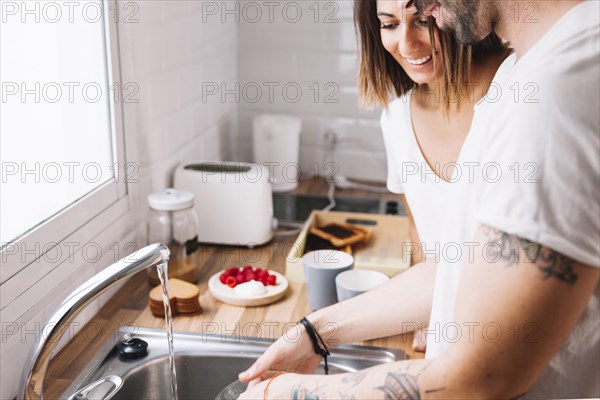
(297, 207)
(205, 365)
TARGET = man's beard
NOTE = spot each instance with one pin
(457, 16)
(421, 5)
(465, 23)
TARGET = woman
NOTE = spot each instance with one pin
(436, 87)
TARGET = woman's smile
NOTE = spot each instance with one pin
(419, 62)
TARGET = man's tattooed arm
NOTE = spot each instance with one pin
(397, 381)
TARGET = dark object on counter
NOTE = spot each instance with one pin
(338, 231)
(314, 242)
(232, 391)
(391, 207)
(132, 349)
(362, 221)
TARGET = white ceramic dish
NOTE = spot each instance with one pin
(227, 295)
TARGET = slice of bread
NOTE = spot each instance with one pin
(342, 235)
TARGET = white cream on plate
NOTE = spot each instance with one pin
(252, 288)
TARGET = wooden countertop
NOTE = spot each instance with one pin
(129, 308)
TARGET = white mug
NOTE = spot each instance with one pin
(357, 281)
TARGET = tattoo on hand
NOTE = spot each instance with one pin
(550, 263)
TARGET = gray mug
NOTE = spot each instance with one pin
(320, 269)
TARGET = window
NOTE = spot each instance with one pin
(61, 144)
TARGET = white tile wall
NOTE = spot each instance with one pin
(175, 52)
(167, 53)
(317, 52)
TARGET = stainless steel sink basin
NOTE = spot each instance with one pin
(297, 207)
(205, 365)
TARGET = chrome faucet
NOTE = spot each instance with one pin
(32, 380)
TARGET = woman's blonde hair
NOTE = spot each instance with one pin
(380, 74)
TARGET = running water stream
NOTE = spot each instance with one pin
(162, 270)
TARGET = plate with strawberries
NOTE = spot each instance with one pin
(247, 286)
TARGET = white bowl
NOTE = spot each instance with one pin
(356, 281)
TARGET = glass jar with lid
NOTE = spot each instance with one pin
(173, 221)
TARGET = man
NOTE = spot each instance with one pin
(523, 298)
(542, 115)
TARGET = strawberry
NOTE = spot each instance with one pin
(272, 280)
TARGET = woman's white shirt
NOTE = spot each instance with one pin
(410, 174)
(436, 206)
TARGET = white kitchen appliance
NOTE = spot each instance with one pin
(276, 144)
(234, 201)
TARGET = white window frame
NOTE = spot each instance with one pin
(84, 219)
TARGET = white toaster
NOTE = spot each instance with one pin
(233, 201)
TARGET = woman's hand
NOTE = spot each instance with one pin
(290, 354)
(279, 387)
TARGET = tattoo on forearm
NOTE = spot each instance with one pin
(346, 396)
(400, 385)
(550, 263)
(354, 378)
(300, 392)
(403, 385)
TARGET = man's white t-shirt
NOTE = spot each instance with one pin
(536, 141)
(410, 174)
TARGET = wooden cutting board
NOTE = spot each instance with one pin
(387, 251)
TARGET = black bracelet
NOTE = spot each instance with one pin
(319, 345)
